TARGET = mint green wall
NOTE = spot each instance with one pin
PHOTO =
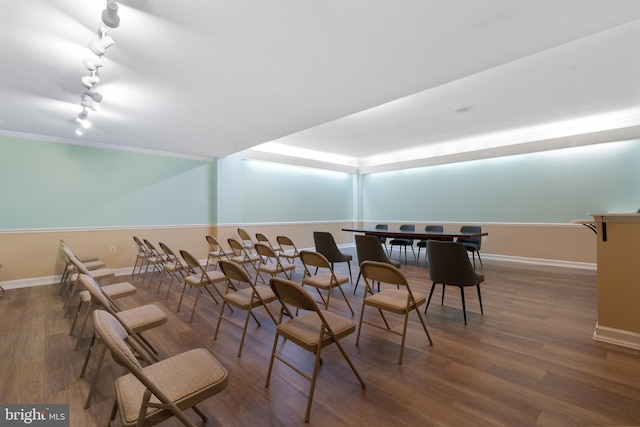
(547, 187)
(49, 185)
(254, 192)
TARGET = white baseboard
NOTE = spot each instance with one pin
(49, 280)
(617, 337)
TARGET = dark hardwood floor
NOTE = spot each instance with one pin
(529, 360)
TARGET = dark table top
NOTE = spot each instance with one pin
(413, 234)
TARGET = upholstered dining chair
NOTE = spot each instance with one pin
(383, 240)
(323, 277)
(243, 294)
(312, 331)
(369, 248)
(326, 245)
(288, 249)
(400, 299)
(135, 320)
(449, 265)
(472, 244)
(423, 243)
(199, 279)
(151, 394)
(404, 242)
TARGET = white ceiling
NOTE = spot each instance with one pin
(356, 78)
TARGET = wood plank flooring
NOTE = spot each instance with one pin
(529, 360)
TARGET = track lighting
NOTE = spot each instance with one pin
(99, 47)
(83, 119)
(90, 81)
(91, 100)
(110, 14)
(92, 64)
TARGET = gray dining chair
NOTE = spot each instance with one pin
(472, 244)
(404, 242)
(449, 265)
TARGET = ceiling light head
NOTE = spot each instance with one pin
(83, 119)
(99, 47)
(88, 102)
(461, 109)
(92, 64)
(96, 96)
(110, 14)
(90, 81)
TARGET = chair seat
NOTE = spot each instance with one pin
(394, 300)
(274, 269)
(243, 298)
(186, 378)
(143, 317)
(214, 277)
(98, 274)
(117, 290)
(324, 280)
(304, 330)
(173, 267)
(401, 241)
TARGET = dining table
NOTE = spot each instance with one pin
(416, 235)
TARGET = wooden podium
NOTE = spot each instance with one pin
(618, 276)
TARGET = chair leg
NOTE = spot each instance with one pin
(481, 265)
(464, 308)
(350, 276)
(480, 298)
(473, 255)
(357, 281)
(433, 287)
(443, 288)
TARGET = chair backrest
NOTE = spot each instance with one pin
(141, 247)
(151, 247)
(80, 267)
(375, 271)
(97, 296)
(449, 264)
(235, 246)
(234, 271)
(369, 248)
(382, 227)
(262, 238)
(191, 261)
(326, 245)
(434, 228)
(168, 252)
(245, 237)
(314, 259)
(115, 337)
(293, 295)
(408, 227)
(120, 343)
(286, 243)
(265, 251)
(213, 243)
(476, 240)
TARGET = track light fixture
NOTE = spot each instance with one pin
(92, 64)
(99, 47)
(90, 81)
(110, 14)
(91, 100)
(83, 119)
